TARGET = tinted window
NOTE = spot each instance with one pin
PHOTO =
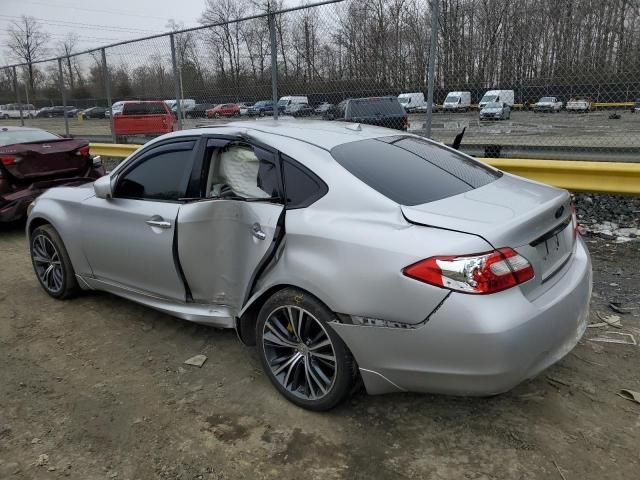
(411, 172)
(302, 187)
(155, 108)
(372, 107)
(160, 177)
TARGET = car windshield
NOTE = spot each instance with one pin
(283, 103)
(412, 171)
(489, 98)
(403, 99)
(452, 99)
(494, 105)
(546, 100)
(262, 104)
(11, 137)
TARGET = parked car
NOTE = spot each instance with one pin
(199, 110)
(116, 108)
(495, 111)
(457, 102)
(394, 294)
(412, 101)
(244, 108)
(14, 110)
(548, 104)
(57, 111)
(286, 101)
(578, 105)
(261, 108)
(185, 104)
(93, 112)
(497, 96)
(636, 108)
(381, 111)
(323, 107)
(298, 110)
(33, 160)
(144, 118)
(224, 110)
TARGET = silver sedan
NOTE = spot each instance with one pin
(345, 253)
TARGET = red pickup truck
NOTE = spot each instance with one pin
(144, 118)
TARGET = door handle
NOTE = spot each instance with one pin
(158, 222)
(257, 232)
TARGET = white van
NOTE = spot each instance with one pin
(185, 104)
(12, 110)
(284, 102)
(412, 101)
(499, 96)
(457, 102)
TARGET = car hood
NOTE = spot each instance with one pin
(491, 110)
(507, 212)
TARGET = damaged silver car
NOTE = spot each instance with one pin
(345, 253)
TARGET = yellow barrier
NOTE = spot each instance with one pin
(613, 104)
(112, 149)
(604, 177)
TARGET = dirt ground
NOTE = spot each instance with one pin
(96, 388)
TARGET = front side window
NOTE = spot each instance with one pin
(161, 176)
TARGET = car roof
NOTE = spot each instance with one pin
(322, 134)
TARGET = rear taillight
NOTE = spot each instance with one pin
(9, 159)
(480, 273)
(83, 151)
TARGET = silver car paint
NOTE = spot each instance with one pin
(348, 249)
(224, 233)
(123, 248)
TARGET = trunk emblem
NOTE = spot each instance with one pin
(559, 212)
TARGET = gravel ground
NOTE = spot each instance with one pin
(96, 388)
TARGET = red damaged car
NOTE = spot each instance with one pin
(34, 160)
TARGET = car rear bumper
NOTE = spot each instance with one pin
(474, 344)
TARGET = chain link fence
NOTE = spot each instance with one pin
(522, 78)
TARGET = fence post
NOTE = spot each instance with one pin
(64, 98)
(176, 77)
(432, 64)
(17, 93)
(274, 64)
(107, 90)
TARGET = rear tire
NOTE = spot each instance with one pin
(51, 263)
(304, 358)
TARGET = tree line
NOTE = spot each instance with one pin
(357, 47)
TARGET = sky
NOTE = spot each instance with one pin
(97, 22)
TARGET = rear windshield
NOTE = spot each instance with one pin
(373, 107)
(412, 171)
(11, 137)
(143, 109)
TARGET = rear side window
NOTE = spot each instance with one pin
(372, 107)
(144, 109)
(302, 187)
(412, 171)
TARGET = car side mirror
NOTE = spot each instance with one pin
(102, 187)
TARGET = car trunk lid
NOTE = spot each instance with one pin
(532, 218)
(53, 158)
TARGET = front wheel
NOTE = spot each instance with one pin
(303, 357)
(52, 264)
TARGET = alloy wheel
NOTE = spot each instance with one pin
(47, 261)
(299, 352)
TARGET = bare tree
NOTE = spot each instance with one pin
(67, 47)
(27, 43)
